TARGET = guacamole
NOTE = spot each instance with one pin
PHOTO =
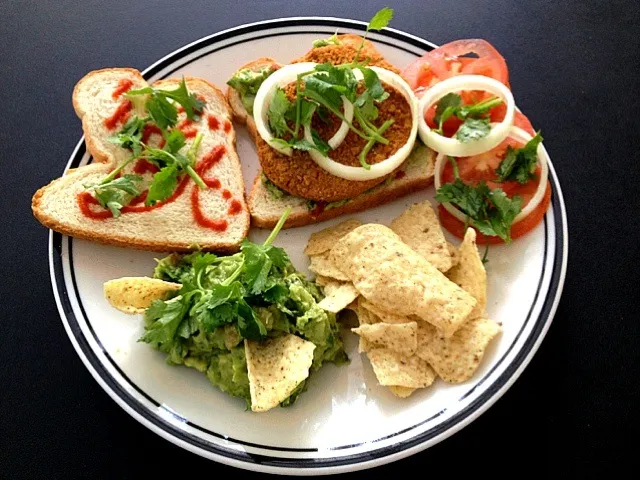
(254, 294)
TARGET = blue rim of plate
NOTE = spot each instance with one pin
(61, 251)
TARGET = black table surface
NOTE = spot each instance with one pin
(574, 71)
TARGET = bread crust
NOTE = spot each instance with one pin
(359, 204)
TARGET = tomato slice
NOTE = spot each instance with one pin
(453, 59)
(482, 167)
(524, 226)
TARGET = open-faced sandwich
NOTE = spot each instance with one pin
(165, 174)
(335, 131)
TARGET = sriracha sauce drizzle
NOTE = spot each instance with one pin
(124, 85)
(121, 115)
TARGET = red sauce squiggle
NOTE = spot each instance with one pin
(209, 160)
(213, 122)
(227, 126)
(226, 194)
(124, 85)
(235, 207)
(121, 115)
(151, 129)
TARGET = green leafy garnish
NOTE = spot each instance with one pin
(163, 111)
(224, 299)
(130, 137)
(519, 164)
(381, 19)
(473, 129)
(117, 193)
(322, 90)
(490, 210)
(475, 121)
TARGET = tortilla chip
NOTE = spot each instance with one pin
(402, 392)
(399, 337)
(321, 265)
(365, 317)
(392, 276)
(456, 359)
(470, 274)
(381, 314)
(338, 297)
(322, 281)
(455, 255)
(418, 227)
(394, 369)
(276, 367)
(322, 241)
(133, 295)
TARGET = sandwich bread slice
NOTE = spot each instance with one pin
(214, 217)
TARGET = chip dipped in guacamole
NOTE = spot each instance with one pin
(252, 302)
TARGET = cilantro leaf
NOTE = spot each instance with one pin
(192, 105)
(473, 129)
(218, 305)
(162, 321)
(174, 140)
(130, 136)
(445, 108)
(381, 19)
(492, 211)
(520, 164)
(249, 325)
(374, 92)
(163, 113)
(277, 113)
(163, 185)
(117, 193)
(478, 109)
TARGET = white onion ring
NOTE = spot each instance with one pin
(386, 166)
(519, 135)
(453, 146)
(281, 78)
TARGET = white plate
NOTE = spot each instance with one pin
(344, 421)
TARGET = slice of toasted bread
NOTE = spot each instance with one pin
(417, 170)
(171, 226)
(266, 209)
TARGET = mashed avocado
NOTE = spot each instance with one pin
(247, 83)
(254, 294)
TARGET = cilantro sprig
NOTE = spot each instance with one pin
(323, 89)
(162, 110)
(519, 164)
(115, 192)
(219, 291)
(491, 211)
(475, 123)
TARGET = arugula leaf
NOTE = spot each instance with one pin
(131, 135)
(381, 19)
(323, 42)
(473, 129)
(520, 164)
(117, 193)
(163, 185)
(277, 113)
